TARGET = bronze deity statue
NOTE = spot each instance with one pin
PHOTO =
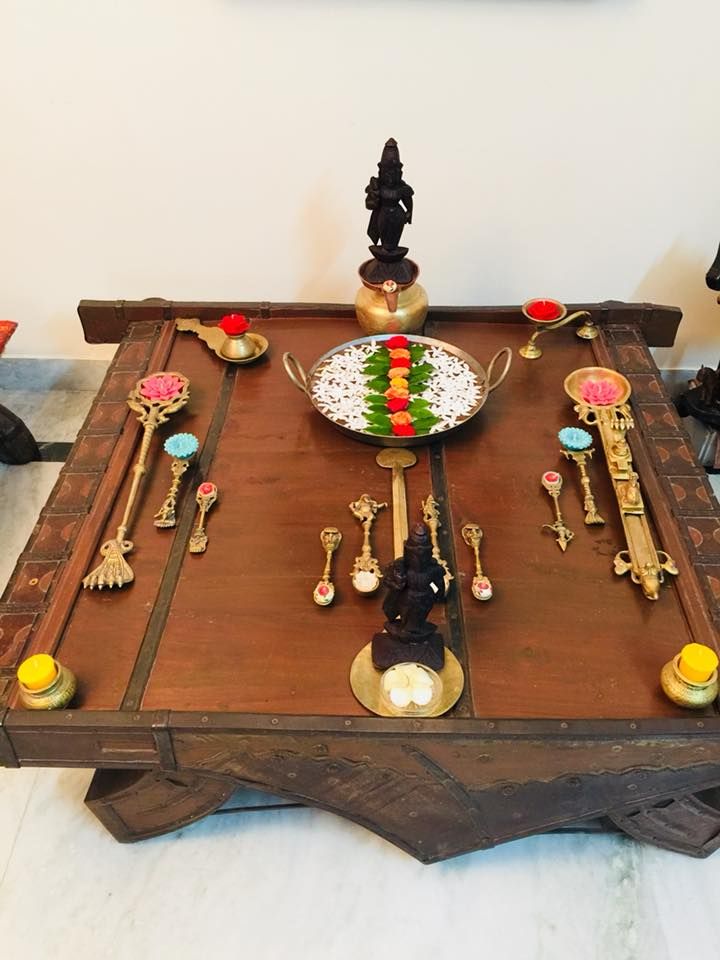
(391, 202)
(414, 583)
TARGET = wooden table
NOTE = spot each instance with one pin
(217, 671)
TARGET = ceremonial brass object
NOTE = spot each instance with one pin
(531, 350)
(324, 592)
(366, 572)
(115, 571)
(432, 519)
(246, 348)
(481, 586)
(56, 696)
(682, 691)
(589, 506)
(553, 484)
(165, 517)
(391, 307)
(398, 460)
(205, 497)
(305, 381)
(646, 565)
(366, 683)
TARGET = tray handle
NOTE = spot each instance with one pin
(294, 369)
(508, 360)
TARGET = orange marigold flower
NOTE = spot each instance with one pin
(398, 372)
(401, 419)
(400, 352)
(396, 393)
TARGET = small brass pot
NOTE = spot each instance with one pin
(682, 691)
(56, 696)
(240, 347)
(391, 307)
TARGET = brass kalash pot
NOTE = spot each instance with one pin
(391, 307)
(390, 299)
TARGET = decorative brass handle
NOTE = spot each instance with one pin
(506, 369)
(294, 369)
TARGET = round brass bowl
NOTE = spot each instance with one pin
(682, 691)
(366, 683)
(575, 380)
(304, 382)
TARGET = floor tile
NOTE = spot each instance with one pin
(51, 415)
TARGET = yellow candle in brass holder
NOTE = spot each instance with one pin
(691, 678)
(45, 684)
(154, 399)
(601, 399)
(548, 315)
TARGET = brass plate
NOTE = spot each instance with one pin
(261, 346)
(483, 378)
(365, 682)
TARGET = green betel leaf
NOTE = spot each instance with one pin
(374, 365)
(378, 431)
(378, 419)
(376, 400)
(416, 387)
(417, 351)
(418, 406)
(425, 422)
(421, 371)
(379, 384)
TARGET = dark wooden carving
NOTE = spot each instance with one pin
(17, 444)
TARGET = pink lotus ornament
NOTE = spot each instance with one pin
(600, 393)
(162, 387)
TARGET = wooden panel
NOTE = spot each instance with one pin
(563, 636)
(243, 633)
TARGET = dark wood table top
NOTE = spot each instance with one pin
(235, 631)
(214, 671)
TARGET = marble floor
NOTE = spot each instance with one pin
(300, 882)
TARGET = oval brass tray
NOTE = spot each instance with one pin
(304, 382)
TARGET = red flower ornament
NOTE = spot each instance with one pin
(395, 404)
(234, 324)
(543, 310)
(403, 429)
(397, 343)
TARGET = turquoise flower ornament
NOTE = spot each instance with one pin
(573, 438)
(182, 446)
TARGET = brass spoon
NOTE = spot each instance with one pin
(431, 516)
(398, 459)
(552, 481)
(481, 585)
(206, 496)
(324, 592)
(366, 572)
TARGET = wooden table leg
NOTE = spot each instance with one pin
(138, 804)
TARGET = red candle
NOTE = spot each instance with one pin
(543, 311)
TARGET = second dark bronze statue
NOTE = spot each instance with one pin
(414, 583)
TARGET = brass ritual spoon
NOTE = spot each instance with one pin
(398, 459)
(432, 519)
(366, 572)
(324, 592)
(552, 481)
(206, 496)
(481, 586)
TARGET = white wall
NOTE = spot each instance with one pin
(219, 149)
